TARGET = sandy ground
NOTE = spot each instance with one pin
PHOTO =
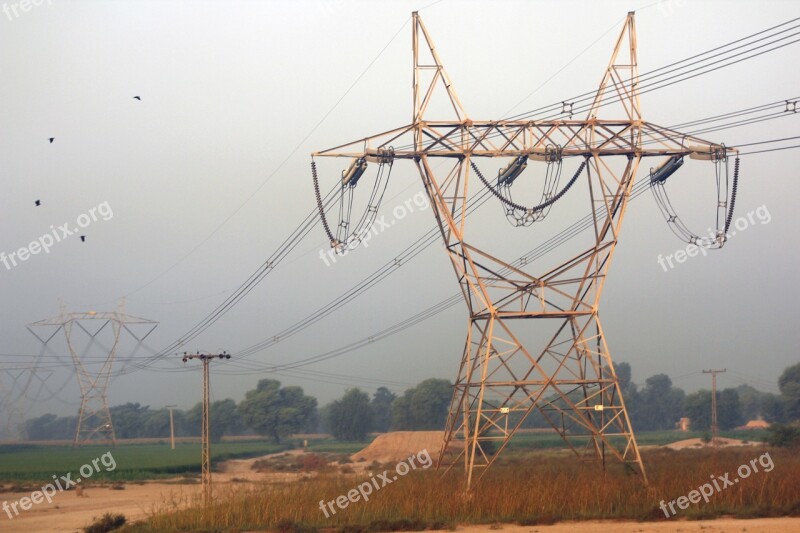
(723, 525)
(69, 512)
(720, 442)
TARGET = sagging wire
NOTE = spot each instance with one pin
(517, 214)
(346, 238)
(726, 197)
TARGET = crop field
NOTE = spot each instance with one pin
(133, 461)
(29, 462)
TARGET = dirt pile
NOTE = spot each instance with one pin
(721, 442)
(398, 445)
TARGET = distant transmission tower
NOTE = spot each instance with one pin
(94, 417)
(14, 395)
(534, 341)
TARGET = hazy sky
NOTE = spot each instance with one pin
(207, 174)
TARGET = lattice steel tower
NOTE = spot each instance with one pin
(94, 417)
(534, 341)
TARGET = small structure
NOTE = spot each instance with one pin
(758, 423)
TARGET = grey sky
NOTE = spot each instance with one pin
(229, 89)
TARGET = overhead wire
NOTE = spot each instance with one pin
(246, 287)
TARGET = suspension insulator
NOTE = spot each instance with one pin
(512, 171)
(354, 172)
(734, 186)
(666, 170)
(320, 207)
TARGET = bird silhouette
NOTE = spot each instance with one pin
(83, 238)
(38, 203)
(137, 97)
(52, 139)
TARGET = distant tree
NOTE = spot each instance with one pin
(51, 427)
(381, 409)
(658, 405)
(751, 400)
(157, 424)
(194, 420)
(697, 406)
(789, 384)
(224, 419)
(129, 420)
(627, 387)
(424, 406)
(349, 418)
(401, 412)
(772, 408)
(277, 412)
(784, 436)
(729, 409)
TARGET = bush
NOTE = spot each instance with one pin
(108, 522)
(784, 436)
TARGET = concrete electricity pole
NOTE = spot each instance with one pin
(171, 427)
(205, 456)
(714, 402)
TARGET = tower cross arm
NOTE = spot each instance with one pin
(535, 139)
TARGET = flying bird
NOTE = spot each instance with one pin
(38, 203)
(137, 97)
(83, 238)
(52, 139)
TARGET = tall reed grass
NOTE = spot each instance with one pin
(539, 488)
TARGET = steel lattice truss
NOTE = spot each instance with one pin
(15, 394)
(565, 373)
(94, 417)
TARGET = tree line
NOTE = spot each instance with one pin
(277, 412)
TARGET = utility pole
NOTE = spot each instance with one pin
(171, 427)
(205, 454)
(714, 402)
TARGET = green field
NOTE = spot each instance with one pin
(134, 461)
(526, 441)
(28, 462)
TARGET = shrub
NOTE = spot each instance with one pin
(784, 436)
(107, 522)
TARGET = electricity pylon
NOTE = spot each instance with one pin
(94, 417)
(13, 395)
(534, 343)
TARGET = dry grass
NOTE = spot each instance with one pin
(536, 489)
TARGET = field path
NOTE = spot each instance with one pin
(69, 512)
